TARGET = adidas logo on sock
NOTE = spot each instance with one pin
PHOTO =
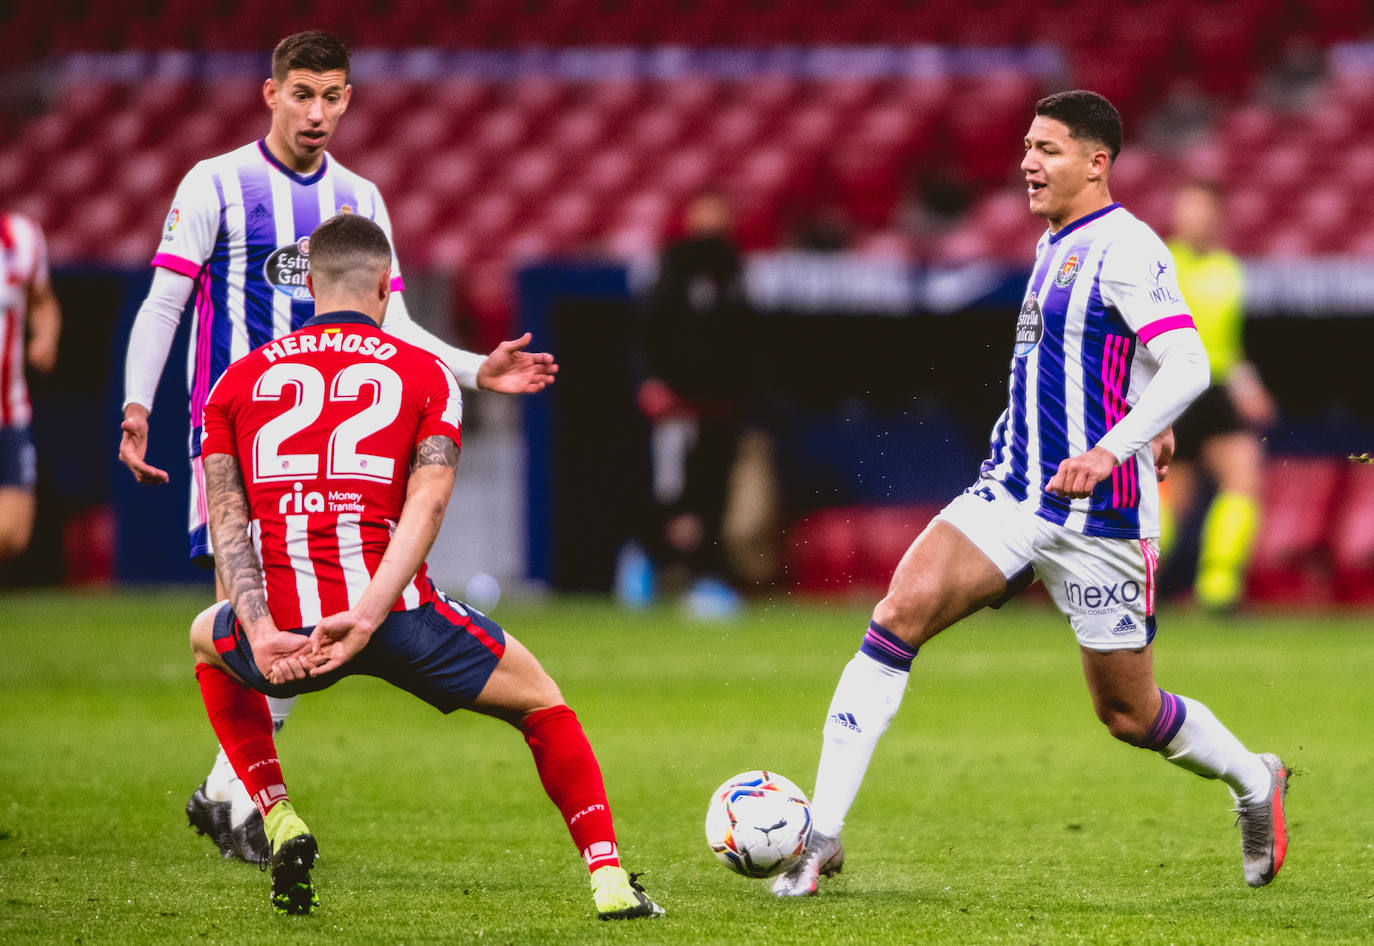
(1124, 626)
(846, 720)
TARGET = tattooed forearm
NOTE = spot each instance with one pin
(436, 450)
(236, 561)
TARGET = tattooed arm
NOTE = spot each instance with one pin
(238, 567)
(340, 636)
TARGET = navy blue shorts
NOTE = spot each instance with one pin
(443, 652)
(18, 465)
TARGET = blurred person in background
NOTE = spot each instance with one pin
(1219, 436)
(30, 322)
(694, 388)
(237, 239)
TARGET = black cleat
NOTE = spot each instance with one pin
(292, 891)
(249, 840)
(212, 818)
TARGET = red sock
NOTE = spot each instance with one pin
(243, 724)
(572, 779)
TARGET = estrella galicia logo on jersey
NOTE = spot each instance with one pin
(1030, 326)
(286, 269)
(173, 218)
(1068, 272)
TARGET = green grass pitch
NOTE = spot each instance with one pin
(997, 810)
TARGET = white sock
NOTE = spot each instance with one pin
(241, 806)
(1206, 747)
(219, 782)
(280, 708)
(865, 701)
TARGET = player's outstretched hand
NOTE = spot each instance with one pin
(1163, 446)
(337, 639)
(1077, 476)
(511, 369)
(133, 445)
(281, 655)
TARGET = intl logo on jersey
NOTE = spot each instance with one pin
(1030, 326)
(1165, 290)
(1068, 272)
(287, 267)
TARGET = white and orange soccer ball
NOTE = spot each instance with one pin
(758, 823)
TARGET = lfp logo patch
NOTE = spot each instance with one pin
(173, 219)
(1068, 272)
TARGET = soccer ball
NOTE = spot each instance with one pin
(758, 823)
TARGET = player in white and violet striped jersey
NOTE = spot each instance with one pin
(1102, 290)
(330, 455)
(1105, 358)
(235, 247)
(30, 323)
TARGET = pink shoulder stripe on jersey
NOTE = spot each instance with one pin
(177, 264)
(397, 284)
(1166, 324)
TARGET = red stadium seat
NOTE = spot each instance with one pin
(811, 128)
(1352, 544)
(578, 130)
(823, 551)
(853, 549)
(1292, 562)
(688, 170)
(531, 173)
(572, 217)
(690, 96)
(654, 131)
(499, 131)
(734, 129)
(610, 172)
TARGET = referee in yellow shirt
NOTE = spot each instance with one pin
(1220, 432)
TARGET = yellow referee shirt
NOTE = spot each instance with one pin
(1213, 285)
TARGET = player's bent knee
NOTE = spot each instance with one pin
(517, 687)
(909, 611)
(1123, 725)
(203, 635)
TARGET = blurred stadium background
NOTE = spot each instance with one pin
(536, 155)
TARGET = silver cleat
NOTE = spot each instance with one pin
(824, 856)
(1263, 828)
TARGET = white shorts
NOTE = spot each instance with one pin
(1104, 586)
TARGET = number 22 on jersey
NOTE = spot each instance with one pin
(342, 458)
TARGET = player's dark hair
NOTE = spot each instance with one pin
(1087, 115)
(313, 51)
(348, 247)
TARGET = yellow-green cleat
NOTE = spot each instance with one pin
(293, 855)
(620, 897)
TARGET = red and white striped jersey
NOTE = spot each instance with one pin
(23, 265)
(323, 423)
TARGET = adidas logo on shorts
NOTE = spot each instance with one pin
(1124, 626)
